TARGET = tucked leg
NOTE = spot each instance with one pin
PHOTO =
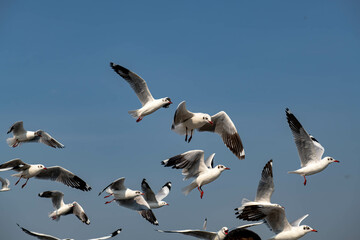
(201, 192)
(108, 195)
(25, 183)
(18, 180)
(191, 135)
(304, 180)
(15, 144)
(139, 119)
(186, 134)
(109, 201)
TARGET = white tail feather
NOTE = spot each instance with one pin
(180, 129)
(11, 141)
(186, 190)
(134, 113)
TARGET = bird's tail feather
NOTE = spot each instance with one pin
(11, 141)
(134, 113)
(186, 190)
(292, 172)
(179, 129)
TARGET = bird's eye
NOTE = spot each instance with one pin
(304, 228)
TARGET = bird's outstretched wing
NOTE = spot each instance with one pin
(56, 197)
(14, 164)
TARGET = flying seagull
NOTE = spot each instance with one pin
(155, 201)
(20, 135)
(55, 173)
(5, 183)
(220, 235)
(119, 191)
(264, 191)
(64, 209)
(309, 149)
(193, 166)
(220, 123)
(149, 104)
(49, 237)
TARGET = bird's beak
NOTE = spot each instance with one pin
(227, 168)
(170, 102)
(211, 122)
(141, 193)
(45, 168)
(314, 230)
(337, 161)
(167, 204)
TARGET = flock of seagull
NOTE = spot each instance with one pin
(192, 164)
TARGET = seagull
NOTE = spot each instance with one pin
(220, 123)
(64, 209)
(120, 192)
(4, 184)
(139, 204)
(20, 135)
(263, 195)
(193, 165)
(49, 237)
(220, 235)
(55, 173)
(149, 104)
(309, 149)
(155, 201)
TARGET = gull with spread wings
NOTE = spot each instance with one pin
(149, 104)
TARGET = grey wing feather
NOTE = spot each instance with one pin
(276, 220)
(297, 222)
(80, 213)
(191, 162)
(149, 216)
(138, 203)
(210, 161)
(64, 176)
(266, 184)
(136, 82)
(56, 197)
(249, 225)
(39, 235)
(14, 164)
(164, 191)
(113, 234)
(4, 182)
(148, 192)
(309, 148)
(48, 140)
(118, 184)
(181, 114)
(17, 128)
(223, 126)
(195, 233)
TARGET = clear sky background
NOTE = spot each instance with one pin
(251, 59)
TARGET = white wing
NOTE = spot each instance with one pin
(308, 147)
(138, 203)
(223, 126)
(136, 82)
(116, 185)
(164, 191)
(64, 176)
(191, 162)
(47, 139)
(181, 114)
(249, 225)
(39, 235)
(194, 233)
(266, 184)
(210, 161)
(4, 183)
(113, 234)
(17, 128)
(80, 213)
(276, 219)
(56, 197)
(297, 222)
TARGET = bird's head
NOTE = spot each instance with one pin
(166, 101)
(207, 119)
(39, 133)
(307, 229)
(162, 203)
(222, 168)
(40, 166)
(225, 230)
(331, 160)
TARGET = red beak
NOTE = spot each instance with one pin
(211, 122)
(313, 230)
(45, 168)
(141, 193)
(336, 161)
(227, 168)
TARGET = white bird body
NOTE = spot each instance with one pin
(294, 233)
(309, 149)
(148, 108)
(123, 194)
(63, 210)
(32, 171)
(194, 166)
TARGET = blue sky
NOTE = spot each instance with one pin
(251, 59)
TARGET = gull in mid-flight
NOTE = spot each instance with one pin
(155, 201)
(49, 237)
(119, 191)
(20, 135)
(193, 166)
(248, 210)
(5, 183)
(55, 173)
(220, 123)
(64, 209)
(309, 149)
(202, 234)
(149, 104)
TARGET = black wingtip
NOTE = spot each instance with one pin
(168, 184)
